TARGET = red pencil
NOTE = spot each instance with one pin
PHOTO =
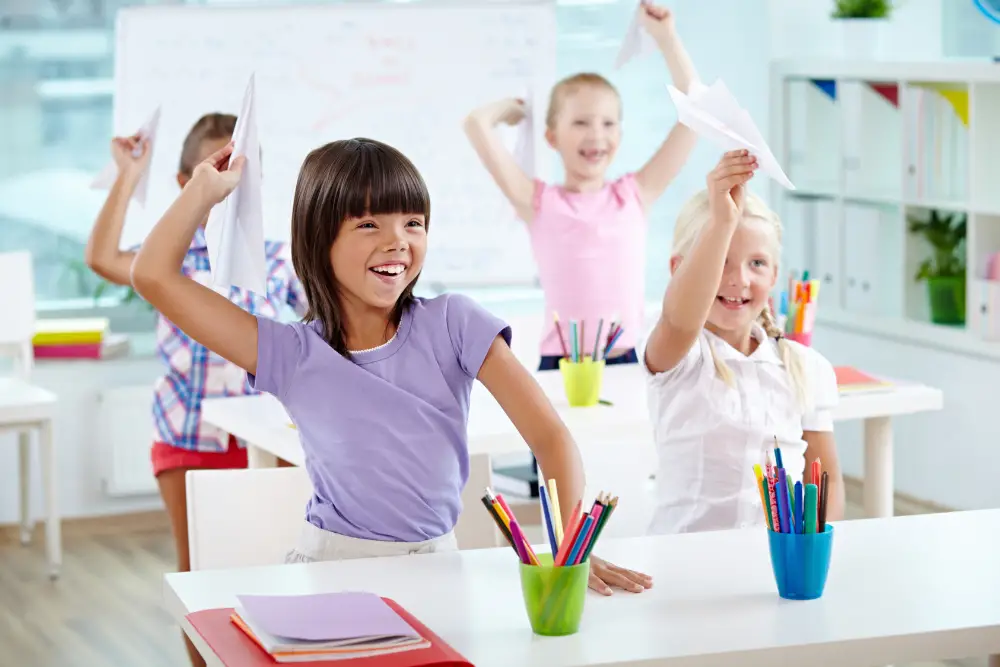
(562, 340)
(569, 535)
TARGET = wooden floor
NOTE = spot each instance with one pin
(105, 610)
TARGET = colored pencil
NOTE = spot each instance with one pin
(811, 512)
(597, 338)
(562, 338)
(556, 513)
(500, 524)
(581, 536)
(550, 531)
(823, 495)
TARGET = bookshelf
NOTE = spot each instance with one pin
(874, 148)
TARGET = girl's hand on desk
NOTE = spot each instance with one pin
(604, 575)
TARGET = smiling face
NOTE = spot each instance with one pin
(359, 235)
(750, 273)
(376, 257)
(585, 128)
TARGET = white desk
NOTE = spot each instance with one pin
(262, 422)
(24, 408)
(899, 590)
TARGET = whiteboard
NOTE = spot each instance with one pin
(403, 74)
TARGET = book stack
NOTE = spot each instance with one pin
(320, 629)
(84, 338)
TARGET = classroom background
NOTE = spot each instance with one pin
(843, 127)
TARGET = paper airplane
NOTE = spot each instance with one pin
(106, 178)
(713, 113)
(524, 146)
(234, 233)
(637, 42)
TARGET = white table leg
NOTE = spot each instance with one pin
(258, 458)
(878, 488)
(53, 530)
(24, 484)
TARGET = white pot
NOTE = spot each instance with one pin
(861, 39)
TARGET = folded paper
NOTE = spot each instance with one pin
(637, 42)
(524, 146)
(235, 230)
(109, 173)
(713, 113)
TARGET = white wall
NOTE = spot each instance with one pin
(78, 447)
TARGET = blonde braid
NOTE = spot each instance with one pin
(790, 358)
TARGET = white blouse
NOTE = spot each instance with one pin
(708, 435)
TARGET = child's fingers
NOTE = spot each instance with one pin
(236, 165)
(220, 158)
(730, 182)
(732, 171)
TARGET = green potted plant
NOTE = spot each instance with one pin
(944, 270)
(861, 24)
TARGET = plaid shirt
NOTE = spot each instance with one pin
(195, 373)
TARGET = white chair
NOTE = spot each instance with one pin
(248, 517)
(243, 518)
(622, 470)
(25, 408)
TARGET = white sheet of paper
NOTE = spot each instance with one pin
(106, 178)
(524, 146)
(713, 113)
(234, 233)
(637, 41)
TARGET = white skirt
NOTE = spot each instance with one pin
(316, 544)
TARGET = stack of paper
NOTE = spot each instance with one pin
(852, 381)
(84, 338)
(327, 626)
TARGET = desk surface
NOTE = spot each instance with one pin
(21, 402)
(263, 422)
(899, 590)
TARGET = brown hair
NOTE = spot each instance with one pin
(345, 179)
(570, 85)
(208, 127)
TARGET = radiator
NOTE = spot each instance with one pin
(125, 434)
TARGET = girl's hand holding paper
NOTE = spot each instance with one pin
(726, 186)
(216, 176)
(657, 21)
(131, 154)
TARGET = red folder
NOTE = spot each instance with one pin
(236, 649)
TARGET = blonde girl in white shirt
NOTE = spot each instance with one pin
(722, 381)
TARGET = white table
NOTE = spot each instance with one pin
(262, 422)
(25, 408)
(899, 590)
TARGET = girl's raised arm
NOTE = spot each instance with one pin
(695, 283)
(102, 254)
(668, 160)
(517, 186)
(208, 317)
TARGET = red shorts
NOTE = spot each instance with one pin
(168, 457)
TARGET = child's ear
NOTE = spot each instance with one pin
(675, 261)
(550, 137)
(182, 179)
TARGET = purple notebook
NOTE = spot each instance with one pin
(326, 617)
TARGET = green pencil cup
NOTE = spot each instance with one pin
(554, 596)
(582, 381)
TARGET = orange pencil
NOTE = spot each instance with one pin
(569, 536)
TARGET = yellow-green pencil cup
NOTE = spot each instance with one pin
(582, 381)
(554, 596)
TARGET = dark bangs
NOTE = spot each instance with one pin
(383, 181)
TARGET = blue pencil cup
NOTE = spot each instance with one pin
(800, 562)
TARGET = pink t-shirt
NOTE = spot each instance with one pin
(590, 248)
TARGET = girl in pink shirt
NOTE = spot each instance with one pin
(589, 235)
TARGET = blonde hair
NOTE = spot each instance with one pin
(693, 217)
(570, 85)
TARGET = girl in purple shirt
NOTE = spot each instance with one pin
(377, 380)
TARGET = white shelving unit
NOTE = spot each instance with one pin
(870, 145)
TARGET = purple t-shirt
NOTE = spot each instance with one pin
(385, 433)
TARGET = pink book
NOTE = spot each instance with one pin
(83, 351)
